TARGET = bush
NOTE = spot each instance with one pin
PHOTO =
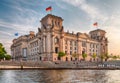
(2, 52)
(84, 56)
(7, 57)
(61, 54)
(2, 56)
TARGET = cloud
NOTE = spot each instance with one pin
(25, 17)
(6, 33)
(108, 22)
(92, 11)
(22, 20)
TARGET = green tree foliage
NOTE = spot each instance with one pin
(61, 54)
(114, 57)
(2, 56)
(102, 57)
(3, 52)
(84, 56)
(7, 57)
(75, 55)
(118, 56)
(106, 56)
(94, 56)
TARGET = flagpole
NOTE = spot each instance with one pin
(51, 12)
(95, 25)
(49, 9)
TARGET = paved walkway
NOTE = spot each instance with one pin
(49, 64)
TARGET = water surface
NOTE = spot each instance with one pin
(59, 76)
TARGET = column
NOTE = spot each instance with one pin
(53, 46)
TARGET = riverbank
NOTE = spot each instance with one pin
(43, 68)
(48, 65)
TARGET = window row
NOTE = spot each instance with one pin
(35, 50)
(70, 52)
(93, 50)
(93, 46)
(71, 42)
(34, 44)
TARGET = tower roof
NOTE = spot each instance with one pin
(51, 16)
(98, 30)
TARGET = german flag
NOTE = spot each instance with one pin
(49, 8)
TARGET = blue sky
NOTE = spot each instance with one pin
(23, 16)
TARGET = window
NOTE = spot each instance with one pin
(75, 48)
(83, 44)
(83, 51)
(65, 47)
(66, 42)
(70, 42)
(75, 52)
(96, 46)
(56, 40)
(65, 52)
(55, 23)
(40, 58)
(58, 58)
(90, 50)
(58, 23)
(75, 43)
(56, 49)
(70, 52)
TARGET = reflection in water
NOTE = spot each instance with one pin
(59, 76)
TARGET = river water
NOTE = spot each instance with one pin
(59, 76)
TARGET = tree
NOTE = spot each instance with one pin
(84, 56)
(2, 52)
(7, 57)
(75, 55)
(94, 56)
(118, 56)
(106, 56)
(102, 57)
(61, 54)
(114, 57)
(2, 56)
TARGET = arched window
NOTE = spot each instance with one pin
(70, 42)
(58, 23)
(40, 58)
(66, 58)
(56, 40)
(83, 51)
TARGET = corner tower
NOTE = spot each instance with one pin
(100, 36)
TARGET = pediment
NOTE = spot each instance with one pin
(84, 35)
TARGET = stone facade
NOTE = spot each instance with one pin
(51, 39)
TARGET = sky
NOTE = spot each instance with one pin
(22, 16)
